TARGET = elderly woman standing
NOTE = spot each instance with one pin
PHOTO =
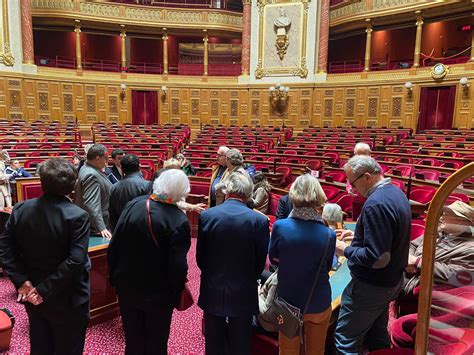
(5, 194)
(148, 266)
(297, 247)
(234, 162)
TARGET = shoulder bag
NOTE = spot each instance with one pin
(186, 298)
(287, 318)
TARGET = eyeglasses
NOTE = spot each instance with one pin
(357, 178)
(220, 155)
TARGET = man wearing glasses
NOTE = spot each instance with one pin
(376, 258)
(217, 173)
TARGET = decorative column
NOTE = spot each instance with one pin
(123, 49)
(27, 32)
(246, 23)
(472, 41)
(368, 44)
(165, 51)
(323, 37)
(78, 45)
(419, 31)
(206, 52)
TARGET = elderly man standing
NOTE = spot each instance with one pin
(93, 190)
(377, 258)
(218, 171)
(231, 251)
(44, 251)
(234, 163)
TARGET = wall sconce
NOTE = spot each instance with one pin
(464, 82)
(409, 87)
(123, 92)
(164, 91)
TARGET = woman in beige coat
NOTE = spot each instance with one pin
(5, 194)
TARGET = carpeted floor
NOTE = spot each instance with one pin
(107, 338)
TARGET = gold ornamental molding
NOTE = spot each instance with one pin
(136, 15)
(360, 9)
(263, 69)
(6, 56)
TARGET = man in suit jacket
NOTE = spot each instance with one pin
(218, 171)
(231, 251)
(93, 190)
(44, 252)
(284, 207)
(132, 185)
(115, 173)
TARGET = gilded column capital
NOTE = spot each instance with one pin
(164, 36)
(368, 26)
(419, 17)
(123, 31)
(247, 2)
(206, 36)
(77, 26)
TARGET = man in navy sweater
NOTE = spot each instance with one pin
(377, 257)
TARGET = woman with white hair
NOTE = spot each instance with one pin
(147, 261)
(332, 215)
(301, 245)
(5, 192)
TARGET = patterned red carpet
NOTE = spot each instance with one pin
(107, 338)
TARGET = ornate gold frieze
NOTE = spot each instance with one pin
(143, 14)
(385, 4)
(106, 10)
(349, 10)
(53, 4)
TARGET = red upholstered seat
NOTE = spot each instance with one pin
(398, 183)
(427, 174)
(401, 170)
(330, 191)
(334, 157)
(422, 194)
(337, 176)
(199, 188)
(314, 164)
(32, 163)
(147, 174)
(345, 201)
(457, 197)
(273, 202)
(290, 152)
(417, 230)
(429, 162)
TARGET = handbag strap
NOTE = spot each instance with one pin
(323, 261)
(150, 228)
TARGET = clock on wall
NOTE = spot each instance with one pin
(439, 71)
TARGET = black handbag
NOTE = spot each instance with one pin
(287, 318)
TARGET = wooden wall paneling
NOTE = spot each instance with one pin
(214, 106)
(205, 106)
(164, 108)
(91, 103)
(30, 100)
(361, 106)
(112, 103)
(305, 108)
(67, 102)
(224, 107)
(234, 107)
(338, 107)
(15, 99)
(55, 101)
(79, 103)
(3, 98)
(245, 108)
(317, 107)
(462, 108)
(384, 105)
(265, 112)
(195, 107)
(185, 104)
(43, 94)
(102, 104)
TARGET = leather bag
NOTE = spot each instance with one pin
(186, 298)
(287, 318)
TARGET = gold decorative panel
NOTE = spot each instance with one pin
(175, 107)
(305, 108)
(91, 107)
(234, 94)
(43, 101)
(396, 107)
(67, 87)
(328, 103)
(195, 107)
(113, 107)
(214, 107)
(328, 92)
(15, 99)
(351, 92)
(350, 105)
(256, 94)
(305, 92)
(234, 108)
(255, 109)
(14, 82)
(397, 89)
(214, 93)
(42, 86)
(373, 102)
(195, 93)
(374, 91)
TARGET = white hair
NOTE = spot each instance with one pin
(362, 148)
(172, 184)
(239, 184)
(222, 149)
(332, 212)
(306, 191)
(361, 164)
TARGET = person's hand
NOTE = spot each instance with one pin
(106, 234)
(345, 235)
(412, 268)
(24, 290)
(340, 247)
(199, 207)
(34, 297)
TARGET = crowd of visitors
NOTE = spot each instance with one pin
(44, 252)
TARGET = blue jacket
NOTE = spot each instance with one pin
(379, 252)
(231, 252)
(297, 248)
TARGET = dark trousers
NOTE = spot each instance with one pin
(57, 330)
(227, 335)
(146, 322)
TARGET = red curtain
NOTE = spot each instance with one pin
(436, 108)
(144, 107)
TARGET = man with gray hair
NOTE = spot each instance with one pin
(93, 190)
(218, 171)
(231, 252)
(234, 163)
(377, 258)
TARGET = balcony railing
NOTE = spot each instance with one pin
(55, 62)
(230, 5)
(145, 68)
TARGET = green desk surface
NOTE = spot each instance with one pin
(95, 241)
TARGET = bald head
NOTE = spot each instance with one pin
(362, 149)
